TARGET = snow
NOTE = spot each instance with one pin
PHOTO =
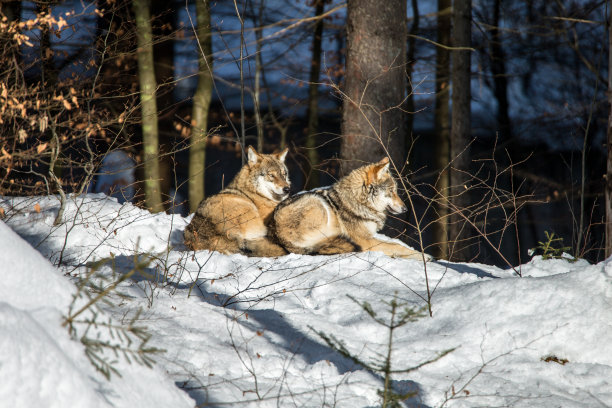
(241, 331)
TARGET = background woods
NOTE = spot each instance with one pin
(494, 113)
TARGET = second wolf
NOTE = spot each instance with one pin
(235, 219)
(344, 217)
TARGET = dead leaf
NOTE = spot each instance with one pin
(23, 135)
(41, 147)
(37, 208)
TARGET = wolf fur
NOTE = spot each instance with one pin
(235, 219)
(344, 217)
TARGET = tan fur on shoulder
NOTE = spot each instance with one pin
(235, 220)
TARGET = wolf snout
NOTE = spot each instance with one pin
(397, 209)
(286, 190)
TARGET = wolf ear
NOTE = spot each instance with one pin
(378, 170)
(282, 155)
(252, 155)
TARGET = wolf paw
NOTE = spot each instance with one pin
(416, 256)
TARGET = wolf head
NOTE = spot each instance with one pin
(270, 175)
(381, 188)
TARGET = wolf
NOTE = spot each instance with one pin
(344, 217)
(235, 219)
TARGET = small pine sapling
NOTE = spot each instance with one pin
(552, 248)
(399, 315)
(106, 340)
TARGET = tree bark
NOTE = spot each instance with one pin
(150, 134)
(500, 89)
(442, 128)
(164, 22)
(201, 105)
(48, 70)
(608, 192)
(258, 74)
(410, 61)
(373, 125)
(12, 10)
(460, 135)
(313, 99)
(498, 69)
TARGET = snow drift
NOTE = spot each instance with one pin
(240, 331)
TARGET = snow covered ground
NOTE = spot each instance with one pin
(241, 331)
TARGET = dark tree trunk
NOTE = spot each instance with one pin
(12, 10)
(48, 71)
(460, 135)
(410, 61)
(373, 125)
(313, 99)
(163, 26)
(500, 89)
(498, 69)
(258, 21)
(442, 127)
(608, 191)
(201, 105)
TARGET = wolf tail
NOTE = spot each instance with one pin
(337, 245)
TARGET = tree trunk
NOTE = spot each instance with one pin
(500, 89)
(313, 100)
(498, 69)
(259, 23)
(410, 61)
(201, 105)
(48, 70)
(373, 125)
(442, 128)
(164, 22)
(460, 127)
(146, 74)
(608, 191)
(12, 10)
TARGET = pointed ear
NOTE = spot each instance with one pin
(378, 170)
(252, 155)
(282, 155)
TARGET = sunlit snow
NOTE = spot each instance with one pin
(240, 331)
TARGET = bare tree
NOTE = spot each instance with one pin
(313, 98)
(410, 61)
(460, 134)
(498, 69)
(608, 190)
(201, 105)
(150, 134)
(373, 125)
(442, 125)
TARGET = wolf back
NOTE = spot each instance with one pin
(344, 217)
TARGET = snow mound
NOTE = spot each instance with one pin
(241, 331)
(41, 365)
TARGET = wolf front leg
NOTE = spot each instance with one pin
(392, 249)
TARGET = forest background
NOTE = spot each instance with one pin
(495, 113)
